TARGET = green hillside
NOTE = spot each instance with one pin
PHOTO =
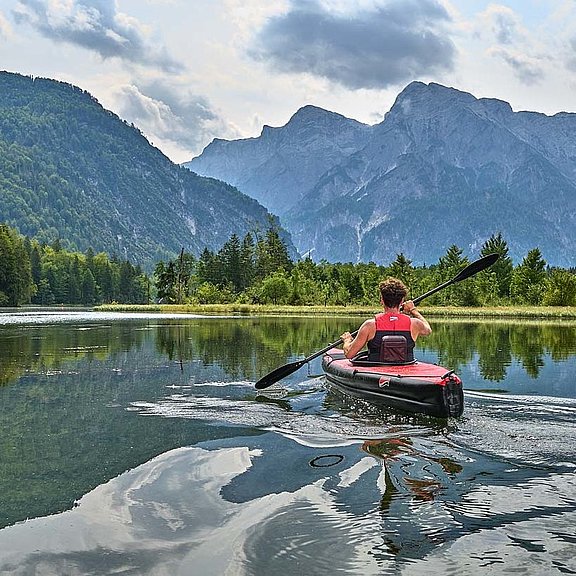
(73, 171)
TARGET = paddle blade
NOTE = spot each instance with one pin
(279, 374)
(476, 267)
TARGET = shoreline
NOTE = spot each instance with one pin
(487, 312)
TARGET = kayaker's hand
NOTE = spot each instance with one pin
(408, 306)
(346, 337)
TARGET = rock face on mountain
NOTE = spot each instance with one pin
(283, 164)
(72, 171)
(442, 168)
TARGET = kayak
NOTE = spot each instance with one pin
(416, 387)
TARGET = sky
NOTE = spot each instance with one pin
(188, 71)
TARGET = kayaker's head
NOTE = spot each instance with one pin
(392, 292)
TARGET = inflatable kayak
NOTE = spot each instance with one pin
(414, 387)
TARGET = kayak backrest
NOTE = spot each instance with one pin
(394, 349)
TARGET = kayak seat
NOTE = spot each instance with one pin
(361, 359)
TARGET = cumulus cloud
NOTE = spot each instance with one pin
(95, 25)
(503, 23)
(379, 45)
(512, 44)
(170, 115)
(528, 70)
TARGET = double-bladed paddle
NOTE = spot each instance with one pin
(283, 371)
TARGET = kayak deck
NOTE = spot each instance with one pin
(417, 387)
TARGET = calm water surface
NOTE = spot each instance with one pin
(136, 444)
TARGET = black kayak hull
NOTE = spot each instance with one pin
(417, 388)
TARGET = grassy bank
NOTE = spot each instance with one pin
(269, 310)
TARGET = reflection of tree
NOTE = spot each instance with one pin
(454, 343)
(12, 353)
(494, 354)
(50, 348)
(247, 347)
(251, 347)
(499, 343)
(560, 340)
(528, 345)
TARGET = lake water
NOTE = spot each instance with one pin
(136, 444)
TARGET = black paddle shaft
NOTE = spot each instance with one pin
(284, 371)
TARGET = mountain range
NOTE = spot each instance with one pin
(443, 168)
(73, 171)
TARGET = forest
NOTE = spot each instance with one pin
(73, 171)
(45, 274)
(258, 269)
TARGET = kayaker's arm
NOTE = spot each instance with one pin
(352, 346)
(420, 326)
(424, 328)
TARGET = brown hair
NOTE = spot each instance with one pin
(392, 291)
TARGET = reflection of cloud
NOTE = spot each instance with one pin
(168, 516)
(265, 510)
(387, 44)
(166, 113)
(97, 26)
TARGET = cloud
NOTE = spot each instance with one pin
(169, 114)
(378, 46)
(97, 26)
(571, 57)
(4, 27)
(513, 44)
(503, 22)
(528, 70)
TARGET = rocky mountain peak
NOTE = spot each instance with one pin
(423, 100)
(466, 167)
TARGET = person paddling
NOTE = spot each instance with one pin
(391, 335)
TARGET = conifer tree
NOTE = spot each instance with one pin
(528, 279)
(503, 267)
(230, 260)
(247, 261)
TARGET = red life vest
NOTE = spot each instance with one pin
(388, 324)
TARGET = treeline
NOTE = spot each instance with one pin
(35, 273)
(259, 270)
